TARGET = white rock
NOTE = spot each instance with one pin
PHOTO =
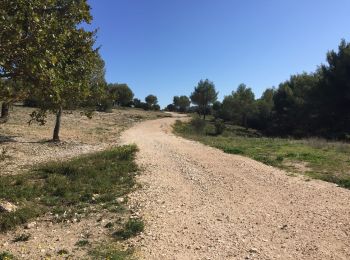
(30, 225)
(120, 200)
(7, 207)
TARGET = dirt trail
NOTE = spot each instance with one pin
(200, 203)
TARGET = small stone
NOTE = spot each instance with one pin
(284, 227)
(120, 200)
(30, 225)
(253, 250)
(7, 207)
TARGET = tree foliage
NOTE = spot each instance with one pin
(203, 96)
(152, 102)
(307, 104)
(122, 93)
(43, 43)
(181, 103)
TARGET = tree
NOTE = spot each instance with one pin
(64, 58)
(10, 91)
(137, 103)
(204, 95)
(262, 118)
(244, 97)
(238, 106)
(217, 106)
(98, 97)
(184, 103)
(151, 101)
(123, 94)
(333, 95)
(176, 101)
(292, 113)
(171, 108)
(181, 103)
(20, 30)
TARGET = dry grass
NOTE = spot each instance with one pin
(27, 145)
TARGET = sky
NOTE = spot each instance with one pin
(164, 47)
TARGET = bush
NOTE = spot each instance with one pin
(6, 256)
(219, 126)
(131, 228)
(198, 124)
(111, 252)
(105, 105)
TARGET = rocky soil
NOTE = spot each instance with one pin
(200, 203)
(22, 146)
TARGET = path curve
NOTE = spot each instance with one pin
(200, 203)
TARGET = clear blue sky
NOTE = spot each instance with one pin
(164, 47)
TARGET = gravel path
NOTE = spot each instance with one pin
(200, 203)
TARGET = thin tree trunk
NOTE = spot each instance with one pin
(204, 112)
(245, 123)
(5, 107)
(56, 131)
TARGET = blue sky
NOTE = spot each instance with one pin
(164, 47)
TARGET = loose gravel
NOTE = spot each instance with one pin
(200, 203)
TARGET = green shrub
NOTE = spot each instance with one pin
(21, 238)
(111, 252)
(105, 105)
(21, 216)
(233, 150)
(219, 126)
(198, 124)
(82, 243)
(6, 256)
(130, 229)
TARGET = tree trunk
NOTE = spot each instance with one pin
(204, 112)
(56, 131)
(245, 123)
(5, 107)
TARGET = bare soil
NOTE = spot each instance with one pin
(26, 146)
(23, 145)
(200, 203)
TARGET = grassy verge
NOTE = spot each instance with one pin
(69, 187)
(328, 161)
(71, 190)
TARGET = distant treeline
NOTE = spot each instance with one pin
(114, 95)
(308, 104)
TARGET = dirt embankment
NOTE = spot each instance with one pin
(200, 203)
